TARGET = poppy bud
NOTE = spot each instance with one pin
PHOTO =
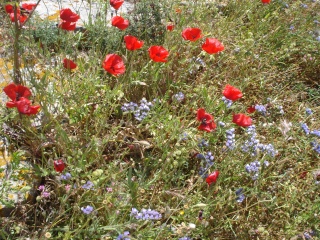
(59, 165)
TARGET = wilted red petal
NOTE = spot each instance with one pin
(212, 46)
(191, 34)
(232, 93)
(116, 4)
(242, 120)
(158, 53)
(119, 22)
(132, 43)
(69, 64)
(69, 26)
(114, 64)
(59, 165)
(212, 178)
(67, 15)
(265, 1)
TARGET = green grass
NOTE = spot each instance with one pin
(148, 164)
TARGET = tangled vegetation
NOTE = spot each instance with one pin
(173, 134)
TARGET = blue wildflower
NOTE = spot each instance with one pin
(88, 185)
(227, 102)
(203, 143)
(65, 176)
(240, 195)
(179, 96)
(185, 238)
(222, 124)
(230, 139)
(308, 111)
(87, 210)
(253, 169)
(139, 111)
(124, 236)
(316, 146)
(261, 109)
(315, 132)
(305, 128)
(145, 214)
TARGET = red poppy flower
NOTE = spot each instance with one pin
(116, 4)
(242, 120)
(265, 1)
(206, 119)
(10, 9)
(29, 6)
(21, 18)
(69, 64)
(170, 27)
(212, 178)
(69, 26)
(212, 45)
(59, 165)
(67, 15)
(114, 64)
(158, 53)
(119, 22)
(24, 107)
(251, 109)
(191, 34)
(132, 43)
(232, 93)
(15, 92)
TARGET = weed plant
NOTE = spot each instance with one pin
(133, 177)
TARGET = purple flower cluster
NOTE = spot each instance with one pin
(207, 162)
(145, 214)
(227, 102)
(240, 195)
(179, 96)
(87, 210)
(315, 132)
(261, 109)
(308, 111)
(305, 128)
(231, 143)
(253, 144)
(203, 143)
(44, 193)
(316, 146)
(253, 168)
(124, 236)
(88, 185)
(65, 176)
(140, 112)
(185, 238)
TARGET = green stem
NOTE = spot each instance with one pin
(16, 63)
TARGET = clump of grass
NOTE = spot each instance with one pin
(117, 162)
